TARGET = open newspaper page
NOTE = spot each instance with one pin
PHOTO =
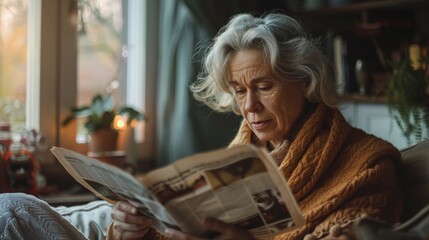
(113, 184)
(240, 185)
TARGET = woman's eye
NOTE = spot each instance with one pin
(239, 91)
(264, 88)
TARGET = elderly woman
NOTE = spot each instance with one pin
(268, 71)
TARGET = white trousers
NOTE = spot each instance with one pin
(24, 216)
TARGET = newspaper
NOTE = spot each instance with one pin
(240, 185)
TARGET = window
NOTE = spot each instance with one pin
(64, 66)
(102, 52)
(110, 53)
(13, 62)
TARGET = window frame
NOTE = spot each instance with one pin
(51, 69)
(52, 72)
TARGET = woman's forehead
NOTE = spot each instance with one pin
(248, 61)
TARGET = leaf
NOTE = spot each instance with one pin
(108, 103)
(82, 112)
(131, 114)
(98, 106)
(407, 100)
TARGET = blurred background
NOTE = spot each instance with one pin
(57, 55)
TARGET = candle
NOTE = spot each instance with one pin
(119, 123)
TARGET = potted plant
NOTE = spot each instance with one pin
(407, 97)
(100, 116)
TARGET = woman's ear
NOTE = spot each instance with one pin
(306, 86)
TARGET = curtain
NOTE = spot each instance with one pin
(184, 126)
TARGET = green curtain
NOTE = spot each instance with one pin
(184, 126)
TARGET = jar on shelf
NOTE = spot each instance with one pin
(5, 135)
(4, 186)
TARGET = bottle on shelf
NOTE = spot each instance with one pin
(21, 170)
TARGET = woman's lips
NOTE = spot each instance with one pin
(259, 125)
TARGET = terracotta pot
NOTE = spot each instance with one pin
(115, 158)
(103, 140)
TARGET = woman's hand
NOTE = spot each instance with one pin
(227, 231)
(341, 233)
(128, 223)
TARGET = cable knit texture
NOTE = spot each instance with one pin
(24, 216)
(337, 173)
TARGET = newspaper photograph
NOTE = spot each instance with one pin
(240, 185)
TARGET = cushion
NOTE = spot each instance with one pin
(416, 228)
(415, 170)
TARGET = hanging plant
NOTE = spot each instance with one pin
(408, 101)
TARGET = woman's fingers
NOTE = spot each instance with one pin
(227, 230)
(128, 223)
(126, 207)
(131, 218)
(178, 235)
(129, 226)
(119, 235)
(127, 213)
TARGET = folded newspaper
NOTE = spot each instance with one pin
(240, 185)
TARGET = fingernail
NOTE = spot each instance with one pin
(167, 232)
(134, 210)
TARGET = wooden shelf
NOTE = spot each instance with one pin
(65, 199)
(365, 5)
(364, 99)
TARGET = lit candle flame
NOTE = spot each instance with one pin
(119, 123)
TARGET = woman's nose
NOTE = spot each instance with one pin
(252, 102)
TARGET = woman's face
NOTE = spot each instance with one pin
(268, 104)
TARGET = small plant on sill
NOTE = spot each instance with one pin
(408, 99)
(100, 114)
(100, 119)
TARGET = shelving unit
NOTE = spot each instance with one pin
(373, 31)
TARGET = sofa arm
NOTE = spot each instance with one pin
(415, 178)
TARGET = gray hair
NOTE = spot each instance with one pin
(293, 56)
